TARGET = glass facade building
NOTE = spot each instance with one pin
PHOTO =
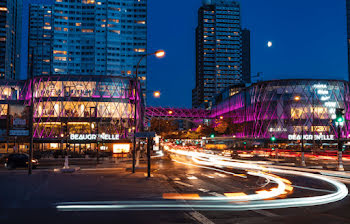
(78, 112)
(286, 107)
(10, 38)
(89, 37)
(218, 49)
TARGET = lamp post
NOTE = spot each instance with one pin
(158, 54)
(297, 99)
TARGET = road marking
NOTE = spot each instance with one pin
(200, 218)
(216, 194)
(203, 190)
(211, 177)
(313, 189)
(266, 213)
(176, 179)
(177, 196)
(192, 178)
(184, 184)
(232, 195)
(221, 175)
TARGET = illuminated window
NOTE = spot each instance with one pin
(113, 20)
(320, 129)
(78, 24)
(297, 113)
(59, 70)
(87, 30)
(140, 50)
(4, 9)
(59, 52)
(88, 1)
(60, 58)
(121, 148)
(115, 31)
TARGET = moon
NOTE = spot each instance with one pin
(269, 44)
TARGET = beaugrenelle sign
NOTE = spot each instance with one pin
(82, 137)
(310, 137)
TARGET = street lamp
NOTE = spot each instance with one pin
(158, 54)
(156, 94)
(297, 99)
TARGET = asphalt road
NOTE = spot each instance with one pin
(33, 199)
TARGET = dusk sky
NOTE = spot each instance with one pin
(309, 41)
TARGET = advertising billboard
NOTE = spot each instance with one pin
(18, 120)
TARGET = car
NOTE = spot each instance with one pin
(19, 160)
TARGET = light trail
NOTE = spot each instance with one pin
(223, 203)
(253, 197)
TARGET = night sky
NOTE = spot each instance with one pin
(309, 41)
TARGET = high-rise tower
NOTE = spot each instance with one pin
(90, 37)
(218, 50)
(10, 38)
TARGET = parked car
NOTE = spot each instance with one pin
(16, 160)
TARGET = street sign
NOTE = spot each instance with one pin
(145, 134)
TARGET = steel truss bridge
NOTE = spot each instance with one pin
(193, 115)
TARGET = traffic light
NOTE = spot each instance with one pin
(212, 136)
(339, 115)
(273, 138)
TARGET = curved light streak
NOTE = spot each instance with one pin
(253, 197)
(340, 193)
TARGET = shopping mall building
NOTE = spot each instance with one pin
(80, 113)
(283, 108)
(85, 113)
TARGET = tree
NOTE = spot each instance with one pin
(221, 126)
(165, 128)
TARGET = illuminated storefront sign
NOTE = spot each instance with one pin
(320, 86)
(278, 130)
(322, 92)
(121, 148)
(82, 137)
(310, 137)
